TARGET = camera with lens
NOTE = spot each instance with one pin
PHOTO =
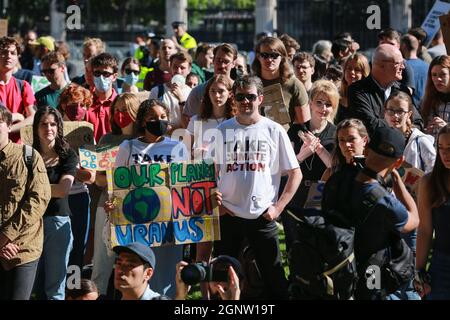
(203, 272)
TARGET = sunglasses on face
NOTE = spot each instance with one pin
(128, 71)
(48, 71)
(241, 97)
(267, 55)
(106, 74)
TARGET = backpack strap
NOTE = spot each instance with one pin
(28, 155)
(160, 91)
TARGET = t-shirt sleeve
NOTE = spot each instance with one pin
(28, 95)
(153, 93)
(69, 165)
(300, 96)
(123, 154)
(395, 213)
(287, 158)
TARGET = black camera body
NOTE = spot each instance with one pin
(202, 272)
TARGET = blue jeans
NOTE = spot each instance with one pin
(52, 270)
(80, 207)
(17, 283)
(440, 276)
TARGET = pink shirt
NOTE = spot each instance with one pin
(16, 101)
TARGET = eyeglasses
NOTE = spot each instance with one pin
(222, 61)
(128, 71)
(48, 71)
(250, 97)
(106, 74)
(393, 112)
(267, 55)
(396, 63)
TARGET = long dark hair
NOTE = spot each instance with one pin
(439, 177)
(61, 145)
(206, 108)
(277, 45)
(431, 98)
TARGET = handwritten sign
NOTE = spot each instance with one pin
(164, 204)
(410, 177)
(274, 105)
(99, 158)
(315, 193)
(77, 133)
(431, 23)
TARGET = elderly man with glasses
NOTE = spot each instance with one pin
(366, 97)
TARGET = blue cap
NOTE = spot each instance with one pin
(144, 252)
(388, 142)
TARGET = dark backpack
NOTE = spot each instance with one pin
(322, 260)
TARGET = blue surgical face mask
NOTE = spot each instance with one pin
(131, 79)
(102, 84)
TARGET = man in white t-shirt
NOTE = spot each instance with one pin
(175, 92)
(254, 154)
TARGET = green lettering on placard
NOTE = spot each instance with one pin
(139, 179)
(122, 177)
(155, 169)
(191, 172)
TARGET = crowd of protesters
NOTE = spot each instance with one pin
(337, 106)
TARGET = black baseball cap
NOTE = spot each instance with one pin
(222, 263)
(388, 142)
(144, 252)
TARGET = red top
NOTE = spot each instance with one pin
(98, 115)
(16, 101)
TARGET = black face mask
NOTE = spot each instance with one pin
(157, 128)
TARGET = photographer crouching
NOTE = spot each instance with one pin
(223, 274)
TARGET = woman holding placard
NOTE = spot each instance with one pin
(122, 119)
(61, 163)
(152, 122)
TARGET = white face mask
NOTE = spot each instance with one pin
(131, 79)
(102, 84)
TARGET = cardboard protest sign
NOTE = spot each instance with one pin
(162, 204)
(431, 23)
(274, 105)
(38, 83)
(3, 27)
(99, 158)
(77, 133)
(314, 200)
(410, 177)
(445, 26)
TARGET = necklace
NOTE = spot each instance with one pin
(310, 165)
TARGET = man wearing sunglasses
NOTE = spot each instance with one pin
(252, 152)
(52, 67)
(104, 69)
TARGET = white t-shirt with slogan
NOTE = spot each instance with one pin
(167, 150)
(251, 160)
